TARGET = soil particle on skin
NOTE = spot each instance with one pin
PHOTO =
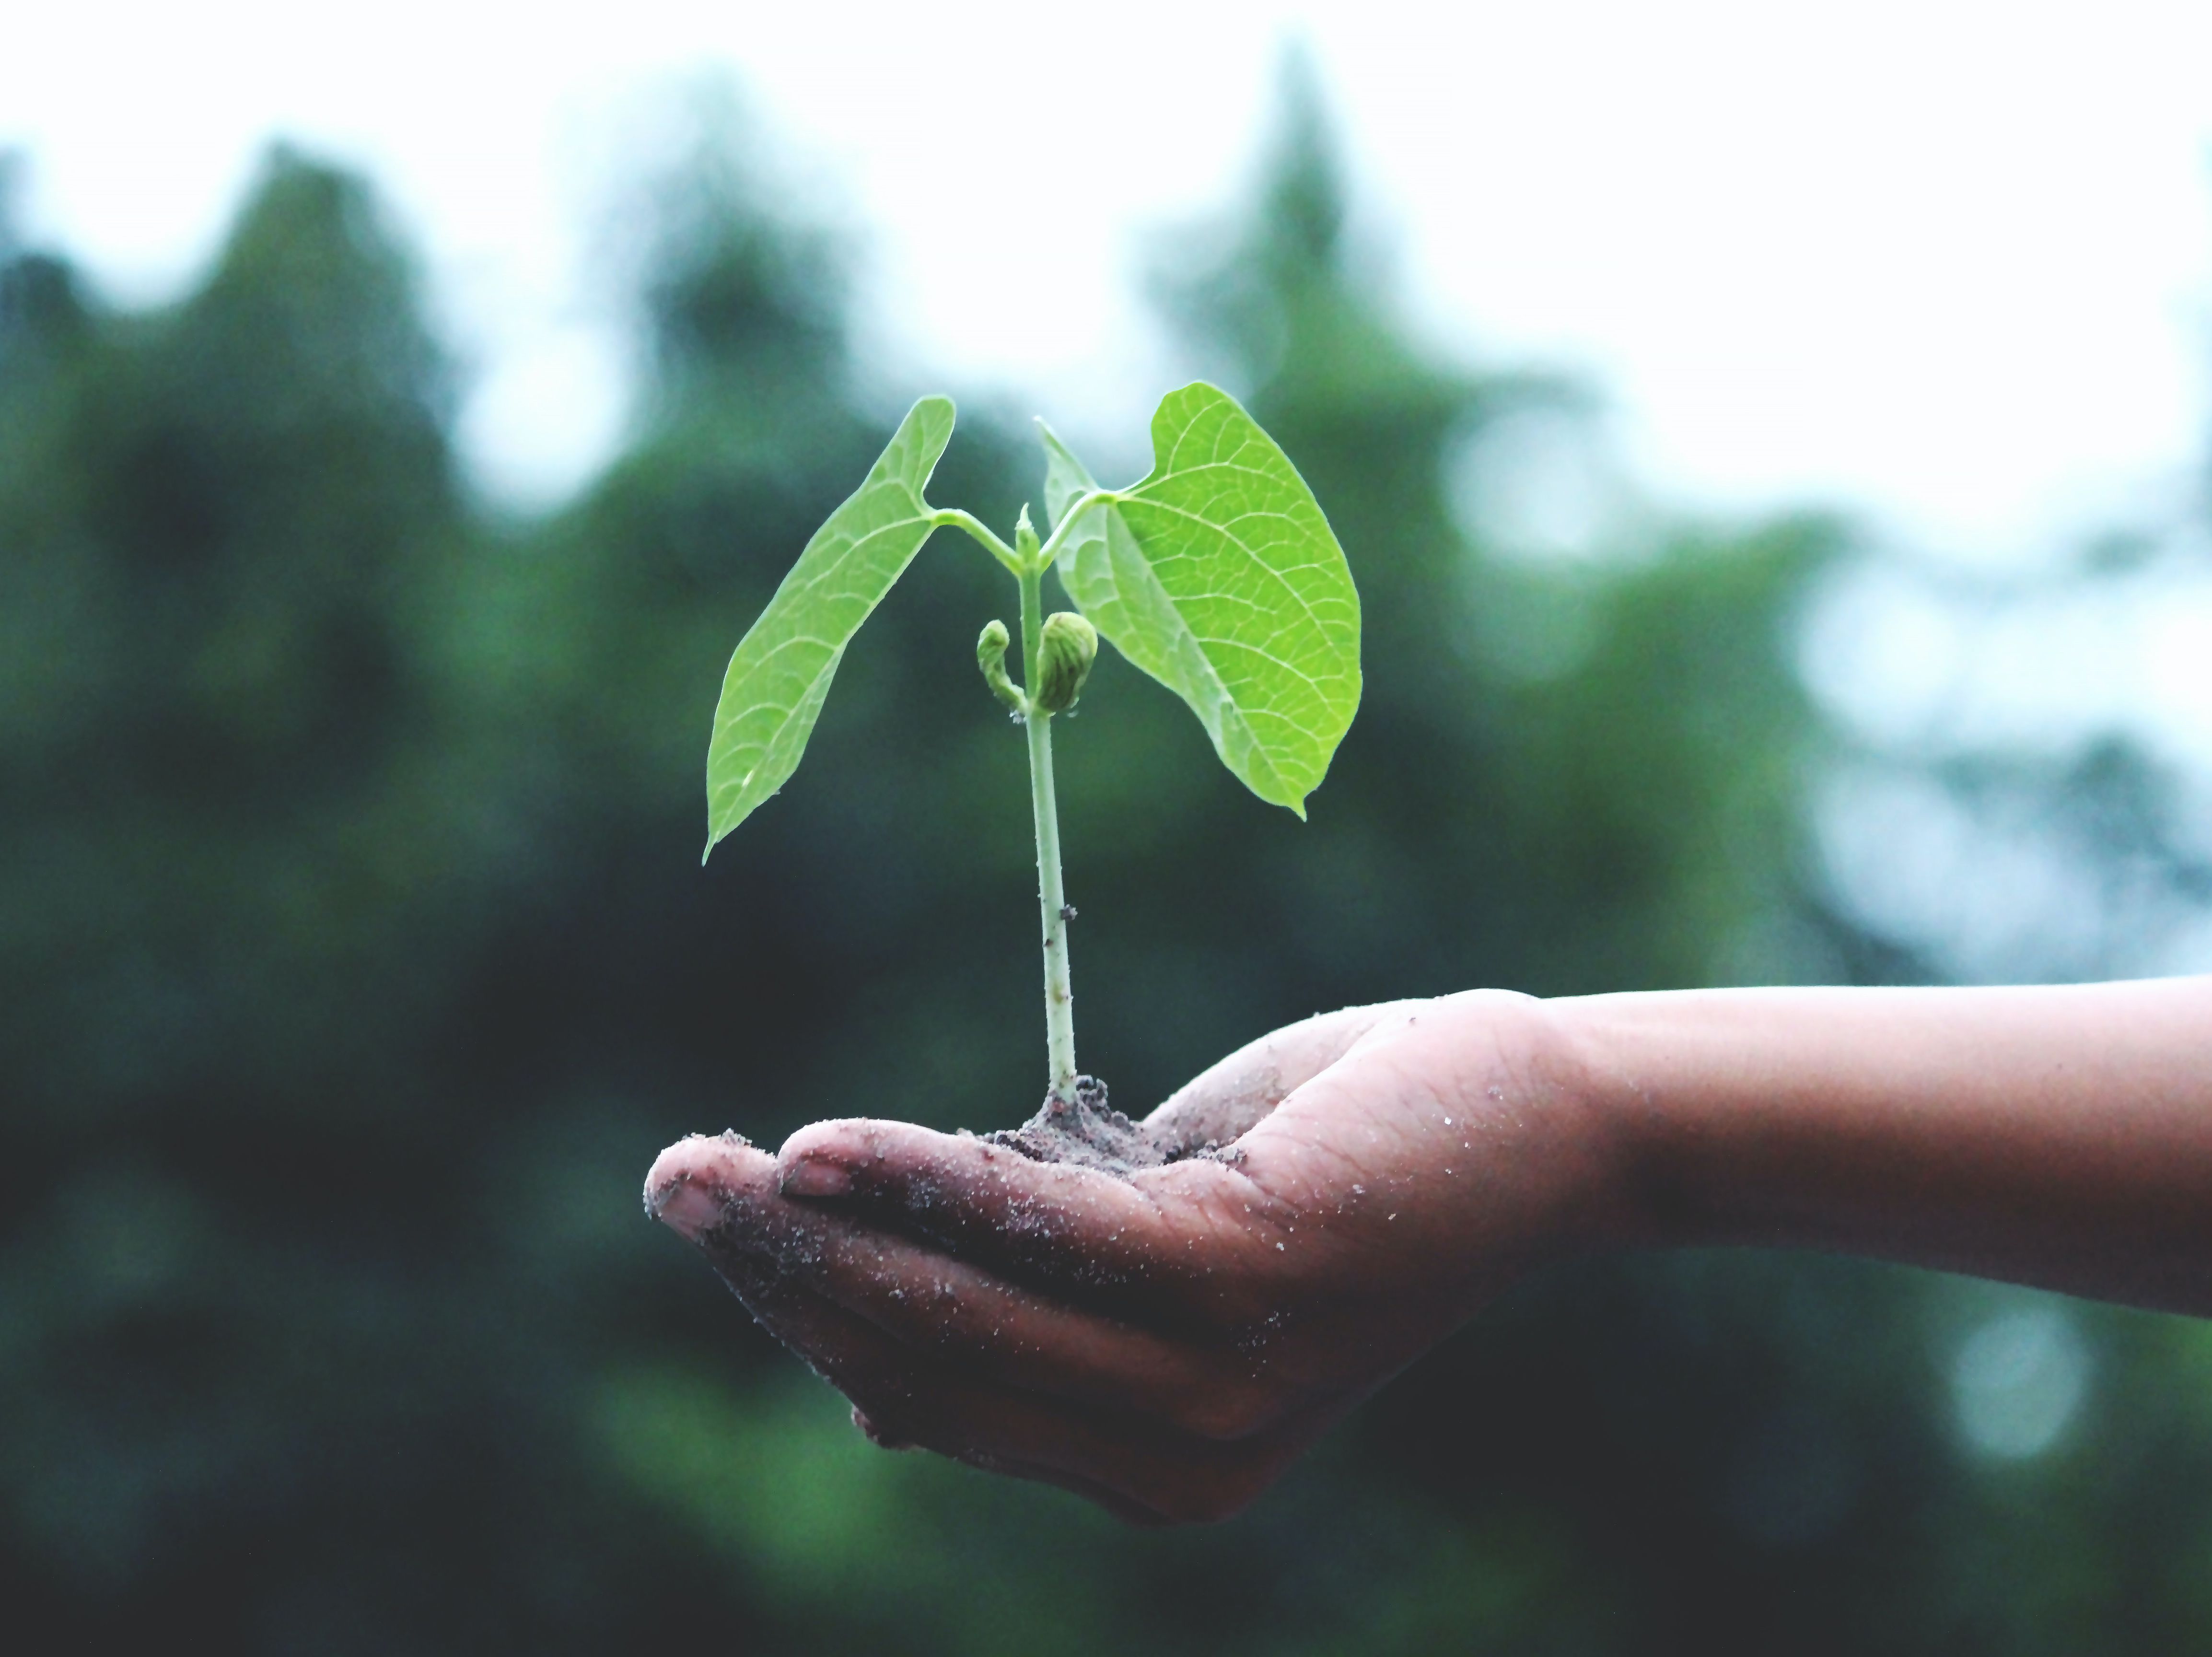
(656, 1197)
(1089, 1133)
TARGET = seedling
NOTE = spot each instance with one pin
(1216, 574)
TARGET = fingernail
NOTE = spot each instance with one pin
(685, 1209)
(811, 1177)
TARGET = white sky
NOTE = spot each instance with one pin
(1946, 262)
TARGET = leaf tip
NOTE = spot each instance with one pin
(716, 833)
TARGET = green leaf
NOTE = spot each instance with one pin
(777, 682)
(1218, 575)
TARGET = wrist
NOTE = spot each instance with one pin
(1601, 1061)
(1561, 1115)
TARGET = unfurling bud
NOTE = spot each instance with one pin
(991, 657)
(1026, 545)
(1065, 652)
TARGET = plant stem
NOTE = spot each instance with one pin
(1081, 504)
(952, 517)
(1052, 899)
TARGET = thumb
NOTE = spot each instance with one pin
(1228, 1098)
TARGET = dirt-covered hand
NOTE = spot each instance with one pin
(1166, 1340)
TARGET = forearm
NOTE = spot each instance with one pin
(2055, 1135)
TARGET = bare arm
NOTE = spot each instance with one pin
(1167, 1343)
(2059, 1135)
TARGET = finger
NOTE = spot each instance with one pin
(1224, 1101)
(908, 1398)
(1028, 1219)
(695, 1181)
(984, 1326)
(721, 1194)
(839, 1348)
(1146, 1245)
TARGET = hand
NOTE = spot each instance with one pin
(1167, 1344)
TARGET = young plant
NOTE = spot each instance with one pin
(1216, 574)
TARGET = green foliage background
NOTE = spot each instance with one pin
(354, 959)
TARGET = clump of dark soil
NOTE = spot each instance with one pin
(1090, 1133)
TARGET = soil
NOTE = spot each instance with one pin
(1092, 1134)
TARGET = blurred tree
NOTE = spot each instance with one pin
(263, 1371)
